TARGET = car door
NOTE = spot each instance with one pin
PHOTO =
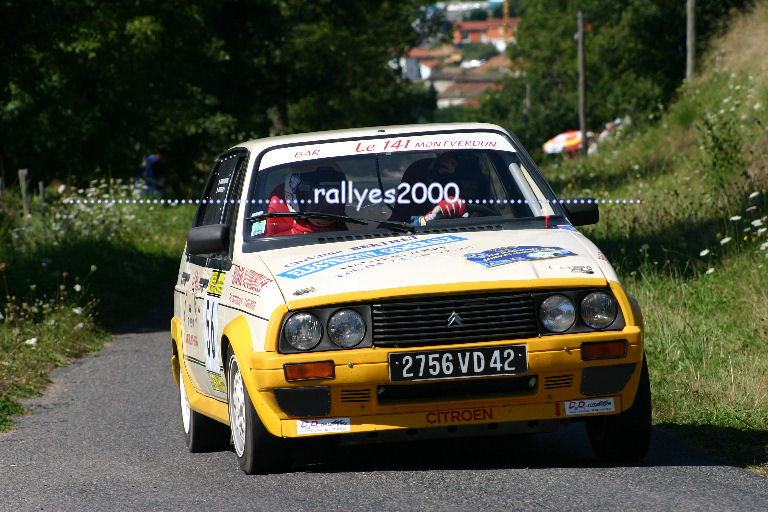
(218, 205)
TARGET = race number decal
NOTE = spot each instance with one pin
(212, 356)
(211, 305)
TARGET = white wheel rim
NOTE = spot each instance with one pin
(236, 406)
(185, 410)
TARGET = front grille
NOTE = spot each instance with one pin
(453, 390)
(425, 321)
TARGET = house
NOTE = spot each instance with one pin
(419, 63)
(490, 31)
(462, 88)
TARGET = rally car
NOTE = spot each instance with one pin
(399, 282)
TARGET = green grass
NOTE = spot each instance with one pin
(695, 251)
(53, 266)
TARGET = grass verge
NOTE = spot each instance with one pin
(695, 251)
(53, 265)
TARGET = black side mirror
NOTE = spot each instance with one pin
(210, 239)
(582, 211)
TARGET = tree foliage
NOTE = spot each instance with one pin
(634, 61)
(89, 85)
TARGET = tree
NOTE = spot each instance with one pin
(477, 15)
(635, 59)
(93, 86)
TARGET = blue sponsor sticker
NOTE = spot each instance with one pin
(258, 227)
(567, 227)
(504, 255)
(317, 266)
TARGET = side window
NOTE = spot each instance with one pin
(213, 204)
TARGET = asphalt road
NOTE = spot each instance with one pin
(107, 436)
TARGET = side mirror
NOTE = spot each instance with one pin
(210, 239)
(582, 211)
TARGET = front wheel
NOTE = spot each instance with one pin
(624, 437)
(257, 450)
(201, 432)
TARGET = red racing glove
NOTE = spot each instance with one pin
(446, 209)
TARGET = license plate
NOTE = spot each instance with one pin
(458, 363)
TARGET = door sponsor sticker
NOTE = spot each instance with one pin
(590, 406)
(322, 426)
(248, 279)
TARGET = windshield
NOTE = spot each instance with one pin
(409, 188)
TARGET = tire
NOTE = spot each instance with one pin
(202, 433)
(256, 449)
(624, 437)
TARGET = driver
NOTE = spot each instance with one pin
(297, 195)
(466, 170)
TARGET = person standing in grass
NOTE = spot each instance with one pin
(155, 173)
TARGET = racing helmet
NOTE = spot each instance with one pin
(467, 170)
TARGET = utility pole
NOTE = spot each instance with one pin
(690, 41)
(582, 100)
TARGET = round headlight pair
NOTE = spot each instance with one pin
(304, 331)
(558, 312)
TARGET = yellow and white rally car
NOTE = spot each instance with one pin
(396, 282)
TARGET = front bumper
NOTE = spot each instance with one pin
(361, 393)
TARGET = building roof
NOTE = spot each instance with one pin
(484, 25)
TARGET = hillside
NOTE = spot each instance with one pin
(695, 250)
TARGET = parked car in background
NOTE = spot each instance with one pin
(395, 283)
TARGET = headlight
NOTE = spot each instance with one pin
(346, 328)
(598, 310)
(303, 331)
(557, 313)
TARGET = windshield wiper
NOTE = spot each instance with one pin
(402, 226)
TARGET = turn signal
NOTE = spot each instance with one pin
(603, 350)
(308, 371)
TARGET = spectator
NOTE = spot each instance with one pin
(155, 175)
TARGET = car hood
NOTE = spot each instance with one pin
(434, 259)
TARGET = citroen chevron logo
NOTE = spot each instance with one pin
(454, 319)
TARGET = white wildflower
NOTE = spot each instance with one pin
(61, 188)
(78, 310)
(757, 223)
(93, 268)
(761, 231)
(704, 253)
(751, 208)
(77, 287)
(31, 341)
(754, 195)
(725, 240)
(709, 270)
(757, 106)
(764, 246)
(736, 218)
(79, 326)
